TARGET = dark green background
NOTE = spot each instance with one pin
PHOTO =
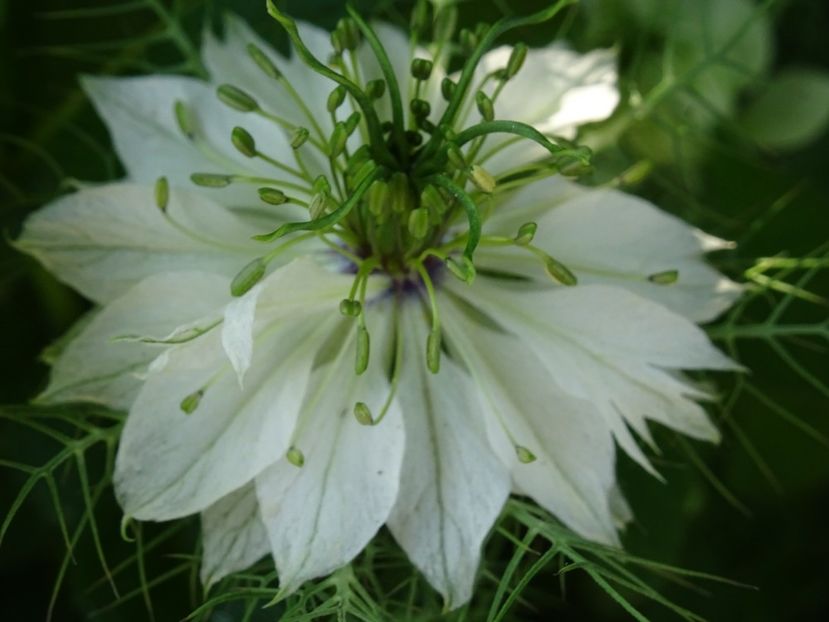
(48, 132)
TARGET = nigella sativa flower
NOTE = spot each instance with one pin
(346, 289)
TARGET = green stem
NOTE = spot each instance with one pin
(472, 214)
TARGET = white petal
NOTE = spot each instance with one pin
(530, 203)
(573, 472)
(556, 91)
(237, 331)
(139, 112)
(452, 486)
(607, 236)
(102, 241)
(320, 516)
(171, 464)
(304, 284)
(97, 366)
(233, 536)
(613, 348)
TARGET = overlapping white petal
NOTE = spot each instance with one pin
(613, 348)
(320, 516)
(452, 486)
(233, 535)
(107, 361)
(171, 463)
(237, 331)
(104, 240)
(573, 471)
(609, 237)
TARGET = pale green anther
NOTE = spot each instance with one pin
(526, 233)
(419, 223)
(295, 457)
(363, 349)
(264, 62)
(336, 98)
(190, 403)
(362, 413)
(336, 145)
(211, 180)
(668, 277)
(352, 122)
(463, 269)
(319, 205)
(184, 119)
(485, 106)
(378, 197)
(524, 455)
(300, 137)
(272, 196)
(236, 98)
(516, 60)
(559, 272)
(421, 68)
(248, 276)
(243, 141)
(447, 88)
(350, 307)
(433, 200)
(433, 351)
(481, 178)
(376, 89)
(420, 108)
(401, 199)
(162, 193)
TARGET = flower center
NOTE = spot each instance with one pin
(404, 192)
(393, 189)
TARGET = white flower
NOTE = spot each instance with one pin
(246, 408)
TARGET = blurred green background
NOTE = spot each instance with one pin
(724, 122)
